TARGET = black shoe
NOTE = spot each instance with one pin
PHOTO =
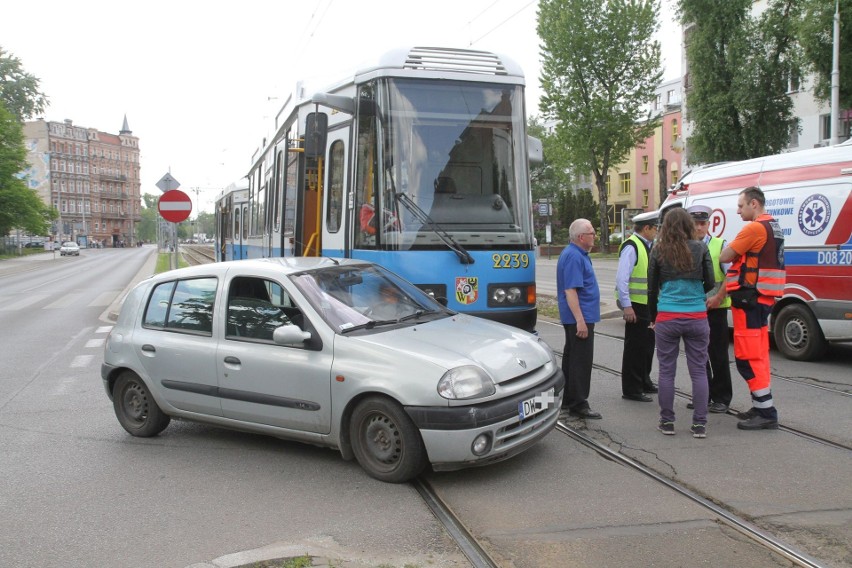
(718, 407)
(690, 406)
(758, 423)
(587, 413)
(637, 397)
(650, 389)
(750, 413)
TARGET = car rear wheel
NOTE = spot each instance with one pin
(385, 441)
(136, 409)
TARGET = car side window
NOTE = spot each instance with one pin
(185, 305)
(256, 307)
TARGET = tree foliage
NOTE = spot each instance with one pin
(600, 69)
(19, 90)
(20, 207)
(739, 72)
(816, 36)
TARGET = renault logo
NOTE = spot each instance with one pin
(522, 363)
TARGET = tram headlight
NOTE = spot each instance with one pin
(468, 381)
(505, 295)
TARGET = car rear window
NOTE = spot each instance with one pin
(182, 305)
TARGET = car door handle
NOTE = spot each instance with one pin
(232, 360)
(149, 348)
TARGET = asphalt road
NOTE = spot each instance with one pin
(76, 490)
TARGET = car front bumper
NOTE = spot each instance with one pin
(448, 433)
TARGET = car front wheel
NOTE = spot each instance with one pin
(385, 441)
(136, 409)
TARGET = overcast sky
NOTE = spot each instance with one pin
(200, 81)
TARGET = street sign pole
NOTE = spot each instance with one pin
(174, 206)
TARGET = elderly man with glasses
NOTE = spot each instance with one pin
(579, 310)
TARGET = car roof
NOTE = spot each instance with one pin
(281, 266)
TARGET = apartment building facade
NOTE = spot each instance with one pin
(90, 177)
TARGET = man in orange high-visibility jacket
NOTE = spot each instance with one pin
(754, 282)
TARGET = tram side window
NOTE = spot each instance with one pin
(279, 187)
(290, 191)
(334, 209)
(236, 223)
(367, 173)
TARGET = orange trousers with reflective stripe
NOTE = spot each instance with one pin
(751, 345)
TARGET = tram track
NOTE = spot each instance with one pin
(738, 523)
(479, 557)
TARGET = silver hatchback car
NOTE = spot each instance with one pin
(333, 352)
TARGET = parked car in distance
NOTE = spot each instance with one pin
(69, 248)
(332, 352)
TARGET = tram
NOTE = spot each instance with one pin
(231, 229)
(418, 163)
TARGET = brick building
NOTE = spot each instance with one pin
(90, 177)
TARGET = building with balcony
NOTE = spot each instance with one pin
(90, 177)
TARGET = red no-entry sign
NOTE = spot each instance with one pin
(174, 206)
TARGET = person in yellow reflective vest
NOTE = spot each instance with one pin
(631, 293)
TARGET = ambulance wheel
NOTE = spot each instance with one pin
(797, 333)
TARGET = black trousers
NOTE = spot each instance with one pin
(718, 364)
(638, 353)
(577, 358)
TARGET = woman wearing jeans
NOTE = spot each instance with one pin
(680, 272)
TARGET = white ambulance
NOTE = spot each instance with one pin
(808, 192)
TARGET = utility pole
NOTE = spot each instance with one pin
(835, 78)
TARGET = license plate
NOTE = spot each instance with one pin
(536, 404)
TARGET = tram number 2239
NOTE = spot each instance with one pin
(514, 260)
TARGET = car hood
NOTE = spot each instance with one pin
(504, 352)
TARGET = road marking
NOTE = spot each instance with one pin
(104, 329)
(65, 301)
(25, 302)
(81, 361)
(95, 342)
(103, 299)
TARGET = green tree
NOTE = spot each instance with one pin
(150, 217)
(816, 36)
(600, 69)
(739, 71)
(20, 207)
(19, 90)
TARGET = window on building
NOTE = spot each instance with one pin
(675, 129)
(675, 177)
(670, 96)
(608, 186)
(658, 102)
(645, 164)
(624, 183)
(644, 198)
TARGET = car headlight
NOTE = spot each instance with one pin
(465, 382)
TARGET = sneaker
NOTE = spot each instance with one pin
(758, 423)
(718, 407)
(690, 406)
(666, 428)
(699, 431)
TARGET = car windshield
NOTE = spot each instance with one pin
(357, 297)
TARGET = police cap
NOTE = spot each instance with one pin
(649, 218)
(699, 212)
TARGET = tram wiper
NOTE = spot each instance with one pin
(423, 217)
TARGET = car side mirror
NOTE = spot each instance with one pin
(290, 334)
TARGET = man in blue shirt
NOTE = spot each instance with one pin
(579, 310)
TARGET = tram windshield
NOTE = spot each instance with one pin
(455, 150)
